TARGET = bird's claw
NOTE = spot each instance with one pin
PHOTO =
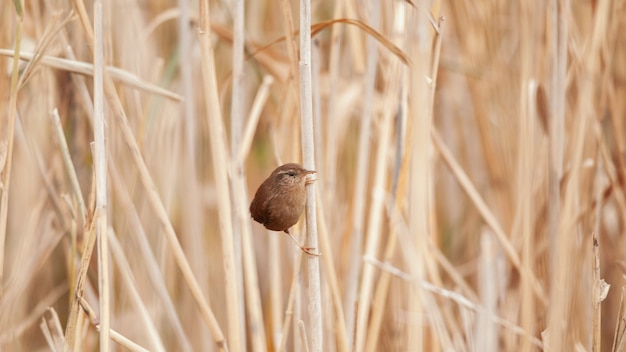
(307, 250)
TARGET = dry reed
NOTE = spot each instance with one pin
(471, 181)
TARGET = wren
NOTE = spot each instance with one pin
(280, 200)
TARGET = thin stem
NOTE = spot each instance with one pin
(101, 180)
(220, 158)
(308, 156)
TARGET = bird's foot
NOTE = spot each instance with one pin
(308, 251)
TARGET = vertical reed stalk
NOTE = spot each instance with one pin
(10, 130)
(101, 180)
(308, 156)
(360, 184)
(220, 168)
(240, 223)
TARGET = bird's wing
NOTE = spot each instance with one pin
(258, 207)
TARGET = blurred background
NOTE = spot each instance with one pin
(471, 184)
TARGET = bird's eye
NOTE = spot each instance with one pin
(291, 173)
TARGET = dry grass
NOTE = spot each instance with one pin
(471, 190)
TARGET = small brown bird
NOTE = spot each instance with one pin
(280, 200)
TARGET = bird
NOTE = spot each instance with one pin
(280, 200)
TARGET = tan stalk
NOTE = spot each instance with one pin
(252, 292)
(596, 279)
(221, 164)
(115, 336)
(100, 170)
(333, 282)
(527, 162)
(289, 310)
(486, 331)
(6, 146)
(374, 232)
(360, 191)
(86, 69)
(308, 156)
(245, 260)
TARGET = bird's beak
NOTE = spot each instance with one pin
(310, 180)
